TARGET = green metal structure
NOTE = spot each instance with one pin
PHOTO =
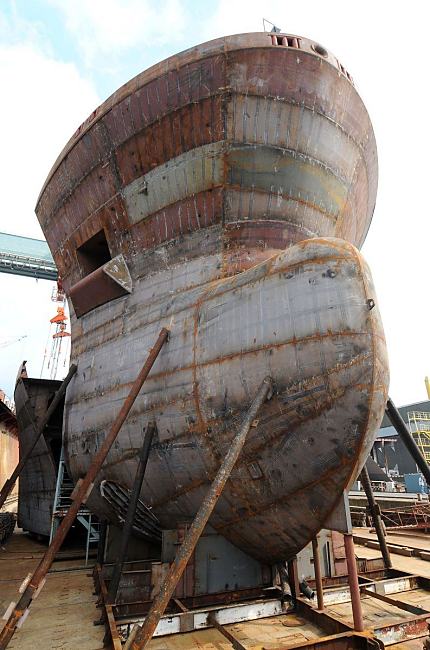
(26, 256)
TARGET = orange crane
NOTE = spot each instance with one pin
(58, 335)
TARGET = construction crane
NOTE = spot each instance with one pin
(32, 258)
(58, 336)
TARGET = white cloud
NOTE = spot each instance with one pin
(106, 28)
(43, 102)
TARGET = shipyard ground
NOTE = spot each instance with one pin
(63, 615)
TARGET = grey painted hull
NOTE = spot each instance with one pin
(38, 478)
(302, 317)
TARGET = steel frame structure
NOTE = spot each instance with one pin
(375, 582)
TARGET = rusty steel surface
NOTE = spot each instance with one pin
(168, 586)
(145, 523)
(263, 145)
(227, 177)
(304, 318)
(354, 586)
(387, 623)
(318, 575)
(131, 513)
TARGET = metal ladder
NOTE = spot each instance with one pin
(62, 502)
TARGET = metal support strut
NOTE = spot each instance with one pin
(139, 637)
(37, 431)
(131, 511)
(407, 437)
(354, 587)
(236, 644)
(376, 517)
(81, 493)
(318, 575)
(293, 579)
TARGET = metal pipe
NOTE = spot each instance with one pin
(38, 431)
(376, 517)
(80, 495)
(354, 587)
(131, 511)
(141, 636)
(406, 436)
(318, 575)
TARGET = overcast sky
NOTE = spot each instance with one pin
(60, 58)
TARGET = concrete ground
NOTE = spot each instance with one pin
(415, 540)
(61, 618)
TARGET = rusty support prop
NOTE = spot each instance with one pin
(376, 517)
(139, 637)
(81, 493)
(108, 615)
(131, 511)
(354, 587)
(407, 437)
(293, 579)
(234, 642)
(283, 578)
(38, 431)
(318, 576)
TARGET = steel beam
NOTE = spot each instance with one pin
(139, 637)
(38, 432)
(293, 579)
(131, 511)
(376, 517)
(80, 495)
(354, 587)
(318, 575)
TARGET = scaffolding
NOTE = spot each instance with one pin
(419, 426)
